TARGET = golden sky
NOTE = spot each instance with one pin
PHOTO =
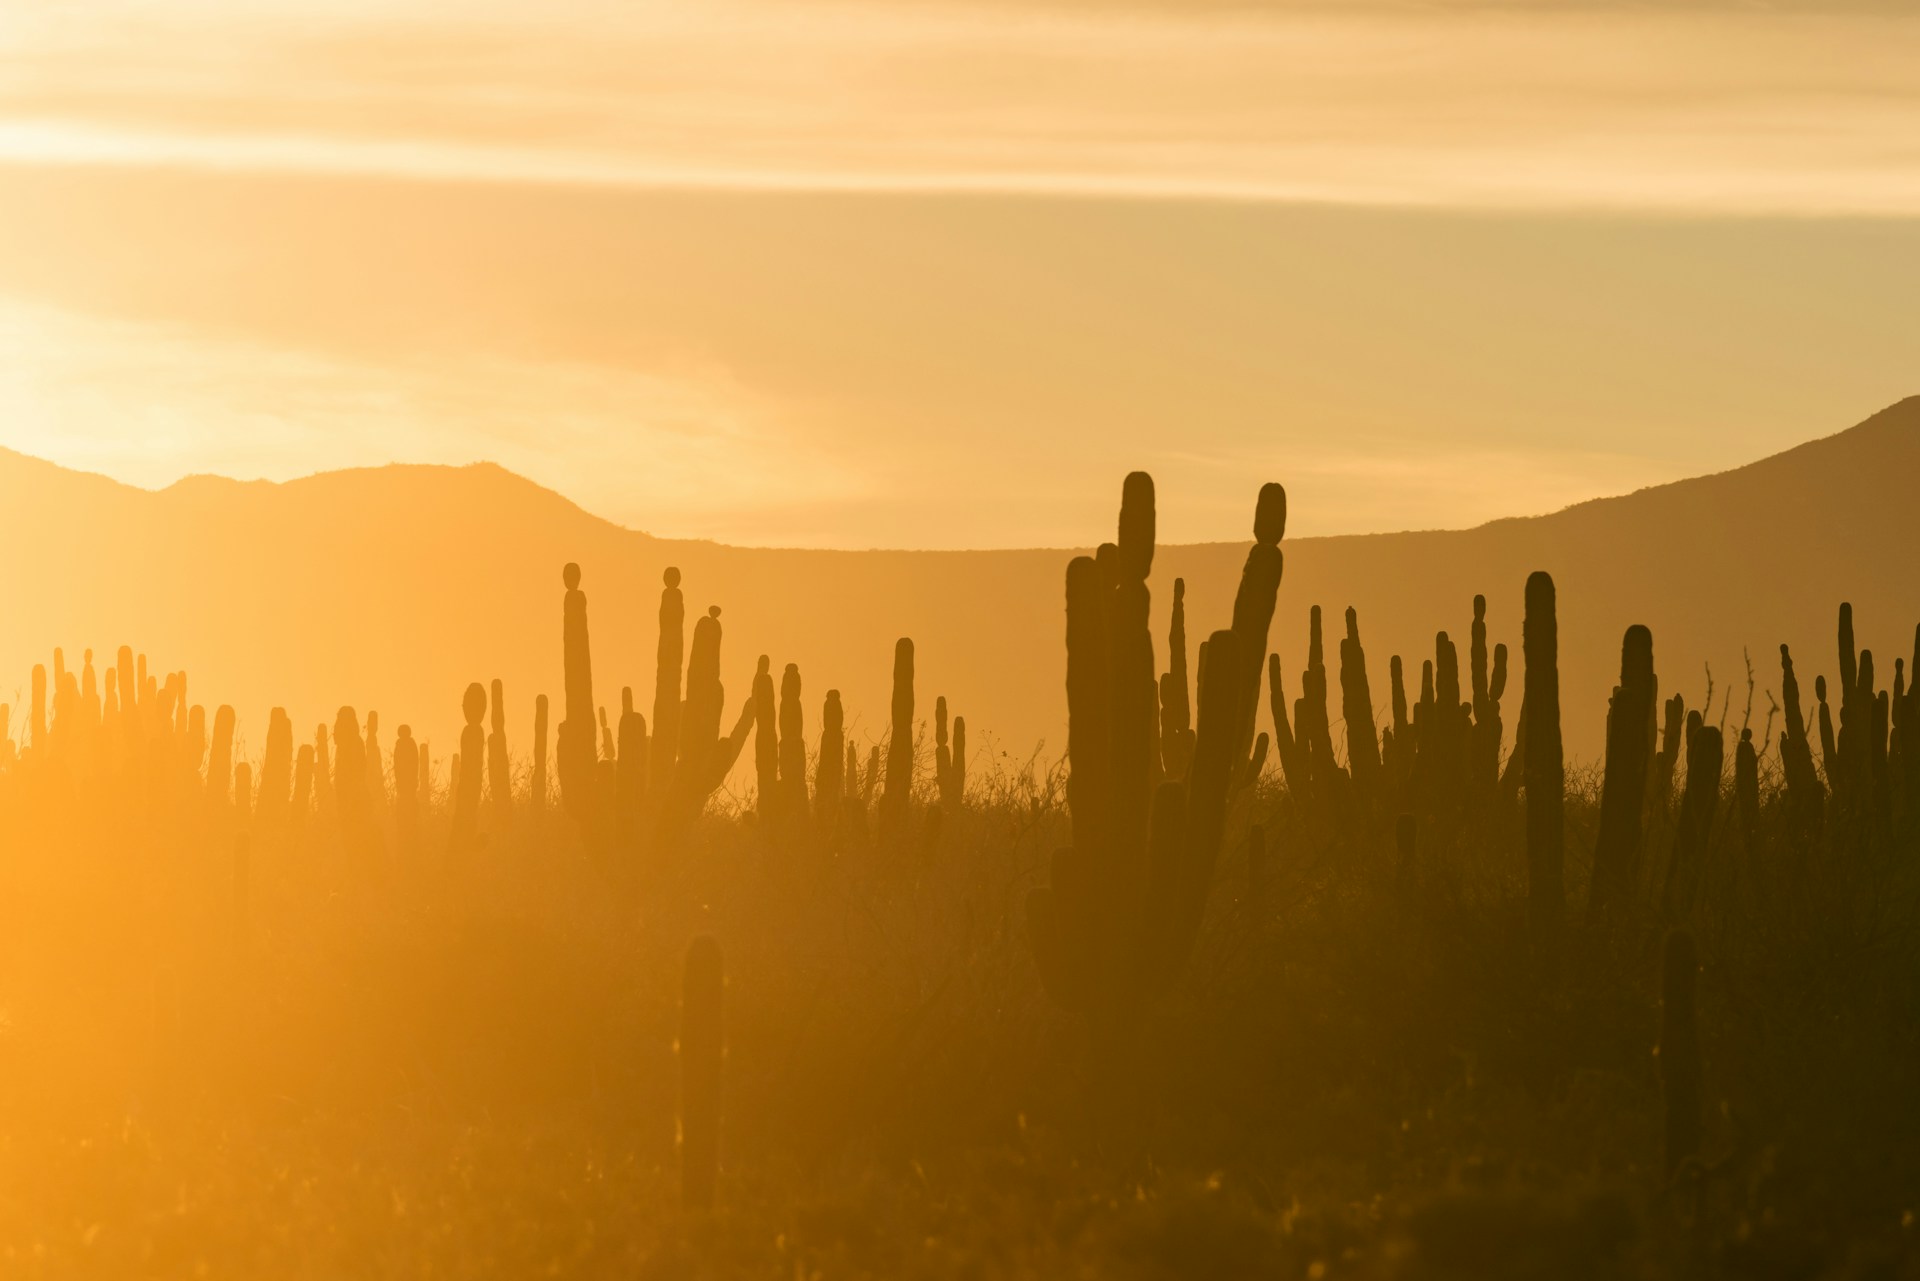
(936, 274)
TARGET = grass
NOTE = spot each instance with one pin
(403, 1068)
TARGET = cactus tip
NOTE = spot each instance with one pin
(570, 576)
(672, 577)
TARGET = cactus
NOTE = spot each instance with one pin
(704, 759)
(537, 781)
(766, 746)
(794, 801)
(376, 771)
(631, 768)
(1746, 789)
(276, 772)
(897, 797)
(668, 657)
(1680, 1075)
(468, 768)
(499, 763)
(242, 793)
(1253, 612)
(1705, 757)
(1176, 709)
(949, 756)
(220, 761)
(301, 806)
(1616, 851)
(37, 712)
(834, 764)
(406, 789)
(703, 1056)
(1356, 707)
(576, 755)
(1120, 913)
(350, 779)
(322, 774)
(1545, 777)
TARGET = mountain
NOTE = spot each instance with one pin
(391, 588)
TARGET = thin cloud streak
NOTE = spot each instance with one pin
(1671, 112)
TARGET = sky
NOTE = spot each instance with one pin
(937, 274)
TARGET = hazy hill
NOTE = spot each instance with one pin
(391, 588)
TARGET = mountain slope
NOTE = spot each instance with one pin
(391, 588)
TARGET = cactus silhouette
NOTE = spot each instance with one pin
(1545, 777)
(766, 746)
(406, 790)
(322, 775)
(1176, 708)
(897, 796)
(499, 764)
(794, 801)
(537, 776)
(631, 769)
(1701, 797)
(350, 780)
(833, 765)
(1616, 851)
(1120, 915)
(220, 760)
(576, 754)
(950, 756)
(1680, 1075)
(702, 1066)
(666, 680)
(301, 807)
(464, 834)
(276, 771)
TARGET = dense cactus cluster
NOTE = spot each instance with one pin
(1123, 904)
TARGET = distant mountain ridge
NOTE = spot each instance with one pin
(391, 588)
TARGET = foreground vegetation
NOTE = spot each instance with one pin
(328, 1018)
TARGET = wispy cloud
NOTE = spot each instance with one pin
(1667, 107)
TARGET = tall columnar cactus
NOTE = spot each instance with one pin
(1746, 789)
(1488, 687)
(464, 834)
(766, 745)
(949, 756)
(1356, 707)
(898, 796)
(1706, 756)
(794, 800)
(631, 769)
(704, 759)
(668, 657)
(376, 770)
(830, 773)
(576, 753)
(1176, 708)
(537, 782)
(301, 807)
(1545, 767)
(406, 790)
(1666, 764)
(350, 779)
(703, 1054)
(322, 774)
(220, 762)
(1253, 614)
(1120, 912)
(276, 772)
(1616, 851)
(37, 712)
(1680, 1075)
(499, 763)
